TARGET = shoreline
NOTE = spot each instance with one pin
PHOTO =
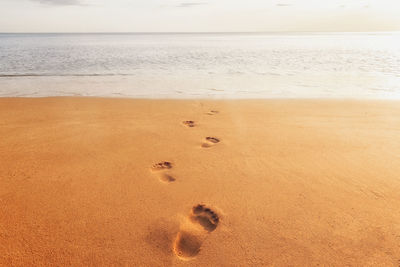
(222, 99)
(121, 181)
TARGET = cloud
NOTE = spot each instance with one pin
(191, 4)
(60, 2)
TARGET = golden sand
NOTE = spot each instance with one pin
(110, 182)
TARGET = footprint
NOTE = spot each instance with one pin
(189, 123)
(212, 112)
(210, 141)
(201, 222)
(162, 167)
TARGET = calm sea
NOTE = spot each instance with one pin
(230, 65)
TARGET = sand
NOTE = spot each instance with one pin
(110, 182)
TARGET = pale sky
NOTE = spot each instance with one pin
(198, 15)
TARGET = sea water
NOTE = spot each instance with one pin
(201, 65)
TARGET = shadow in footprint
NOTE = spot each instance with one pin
(188, 242)
(210, 141)
(166, 178)
(187, 245)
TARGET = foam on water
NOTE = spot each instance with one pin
(336, 65)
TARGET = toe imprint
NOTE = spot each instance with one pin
(162, 166)
(206, 217)
(212, 139)
(212, 112)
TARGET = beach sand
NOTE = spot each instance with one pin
(110, 182)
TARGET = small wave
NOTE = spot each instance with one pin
(380, 89)
(268, 73)
(68, 93)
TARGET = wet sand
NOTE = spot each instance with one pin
(108, 182)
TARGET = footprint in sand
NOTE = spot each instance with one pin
(201, 222)
(189, 123)
(210, 141)
(162, 167)
(212, 112)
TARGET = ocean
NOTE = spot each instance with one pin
(201, 65)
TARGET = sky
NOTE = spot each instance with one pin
(198, 15)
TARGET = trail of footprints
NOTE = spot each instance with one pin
(202, 220)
